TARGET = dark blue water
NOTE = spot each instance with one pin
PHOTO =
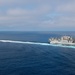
(32, 59)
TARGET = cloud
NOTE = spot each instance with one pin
(16, 12)
(37, 14)
(22, 2)
(68, 7)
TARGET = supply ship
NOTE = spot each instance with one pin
(64, 40)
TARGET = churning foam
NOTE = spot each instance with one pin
(36, 43)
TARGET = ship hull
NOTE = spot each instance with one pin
(53, 42)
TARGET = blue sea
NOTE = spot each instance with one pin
(29, 53)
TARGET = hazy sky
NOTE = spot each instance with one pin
(37, 15)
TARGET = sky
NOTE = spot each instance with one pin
(37, 15)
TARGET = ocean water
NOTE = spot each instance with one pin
(29, 53)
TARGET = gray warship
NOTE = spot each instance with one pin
(65, 40)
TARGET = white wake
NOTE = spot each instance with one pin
(36, 43)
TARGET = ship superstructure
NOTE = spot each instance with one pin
(66, 40)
